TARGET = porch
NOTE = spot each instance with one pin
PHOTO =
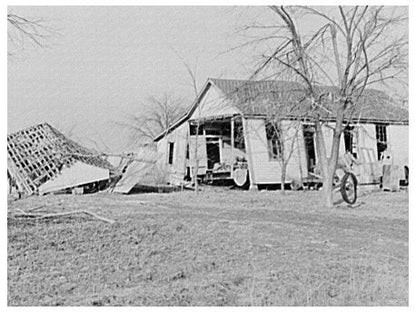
(220, 154)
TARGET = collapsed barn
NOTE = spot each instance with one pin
(41, 160)
(227, 134)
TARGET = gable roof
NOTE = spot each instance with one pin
(259, 98)
(38, 153)
(189, 113)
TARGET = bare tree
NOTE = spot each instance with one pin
(192, 73)
(157, 114)
(351, 49)
(24, 29)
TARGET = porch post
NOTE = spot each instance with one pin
(249, 151)
(232, 145)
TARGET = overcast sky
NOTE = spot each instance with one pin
(103, 62)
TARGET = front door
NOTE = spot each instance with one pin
(213, 153)
(309, 138)
(350, 140)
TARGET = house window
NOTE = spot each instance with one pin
(274, 142)
(381, 136)
(170, 151)
(309, 140)
(239, 135)
(194, 128)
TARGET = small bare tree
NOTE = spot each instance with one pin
(275, 100)
(157, 114)
(286, 138)
(351, 49)
(192, 73)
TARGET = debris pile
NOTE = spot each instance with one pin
(35, 213)
(40, 159)
(137, 169)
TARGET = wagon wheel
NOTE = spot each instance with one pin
(296, 185)
(349, 188)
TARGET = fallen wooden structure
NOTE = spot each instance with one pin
(139, 171)
(40, 160)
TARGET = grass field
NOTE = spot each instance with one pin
(222, 247)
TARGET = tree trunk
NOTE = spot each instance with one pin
(328, 177)
(323, 165)
(327, 194)
(283, 178)
(196, 176)
(329, 165)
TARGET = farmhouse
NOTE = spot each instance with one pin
(227, 134)
(40, 159)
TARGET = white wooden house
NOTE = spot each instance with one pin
(231, 117)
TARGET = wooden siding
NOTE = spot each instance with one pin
(77, 174)
(367, 136)
(162, 152)
(293, 138)
(201, 153)
(398, 142)
(176, 170)
(368, 170)
(264, 170)
(179, 139)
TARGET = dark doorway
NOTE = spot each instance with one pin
(308, 136)
(213, 153)
(349, 140)
(381, 136)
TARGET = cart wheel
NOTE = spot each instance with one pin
(296, 185)
(241, 178)
(349, 188)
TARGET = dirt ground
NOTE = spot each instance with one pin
(221, 247)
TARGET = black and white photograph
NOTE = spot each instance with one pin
(207, 155)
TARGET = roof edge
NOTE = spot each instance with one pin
(188, 114)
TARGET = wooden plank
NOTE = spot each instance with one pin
(136, 173)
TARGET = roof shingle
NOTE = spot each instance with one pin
(286, 98)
